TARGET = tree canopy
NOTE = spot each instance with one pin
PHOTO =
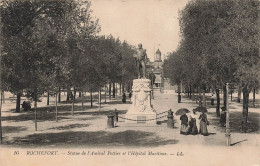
(220, 44)
(51, 44)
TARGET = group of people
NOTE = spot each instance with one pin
(190, 123)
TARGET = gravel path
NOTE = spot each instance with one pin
(89, 128)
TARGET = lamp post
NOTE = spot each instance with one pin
(228, 135)
(161, 82)
(152, 84)
(1, 134)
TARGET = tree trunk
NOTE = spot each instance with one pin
(200, 98)
(196, 98)
(99, 99)
(193, 94)
(181, 89)
(3, 96)
(35, 114)
(48, 98)
(18, 102)
(245, 109)
(239, 94)
(73, 102)
(120, 89)
(56, 106)
(1, 131)
(114, 90)
(91, 100)
(68, 94)
(74, 94)
(59, 98)
(204, 97)
(128, 86)
(190, 90)
(109, 90)
(218, 103)
(254, 97)
(105, 94)
(82, 101)
(231, 94)
(187, 91)
(123, 87)
(225, 97)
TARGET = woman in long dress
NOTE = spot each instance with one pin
(124, 98)
(193, 121)
(184, 125)
(203, 124)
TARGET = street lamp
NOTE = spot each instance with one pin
(161, 82)
(152, 84)
(227, 120)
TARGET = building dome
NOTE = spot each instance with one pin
(158, 56)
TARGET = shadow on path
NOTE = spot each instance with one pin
(129, 138)
(48, 113)
(235, 122)
(70, 126)
(238, 142)
(13, 129)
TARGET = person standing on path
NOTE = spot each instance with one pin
(184, 125)
(203, 124)
(130, 96)
(193, 125)
(124, 98)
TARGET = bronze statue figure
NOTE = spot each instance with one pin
(140, 58)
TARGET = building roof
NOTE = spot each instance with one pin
(158, 56)
(158, 52)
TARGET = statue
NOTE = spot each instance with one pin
(140, 58)
(141, 109)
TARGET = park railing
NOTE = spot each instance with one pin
(113, 117)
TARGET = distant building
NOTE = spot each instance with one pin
(157, 69)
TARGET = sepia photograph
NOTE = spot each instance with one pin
(130, 82)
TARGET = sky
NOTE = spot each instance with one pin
(154, 23)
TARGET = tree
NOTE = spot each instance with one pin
(18, 19)
(220, 44)
(128, 63)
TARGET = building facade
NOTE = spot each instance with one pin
(154, 69)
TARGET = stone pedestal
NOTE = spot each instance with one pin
(141, 110)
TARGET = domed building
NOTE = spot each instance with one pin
(155, 68)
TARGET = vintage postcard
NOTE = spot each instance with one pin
(130, 82)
